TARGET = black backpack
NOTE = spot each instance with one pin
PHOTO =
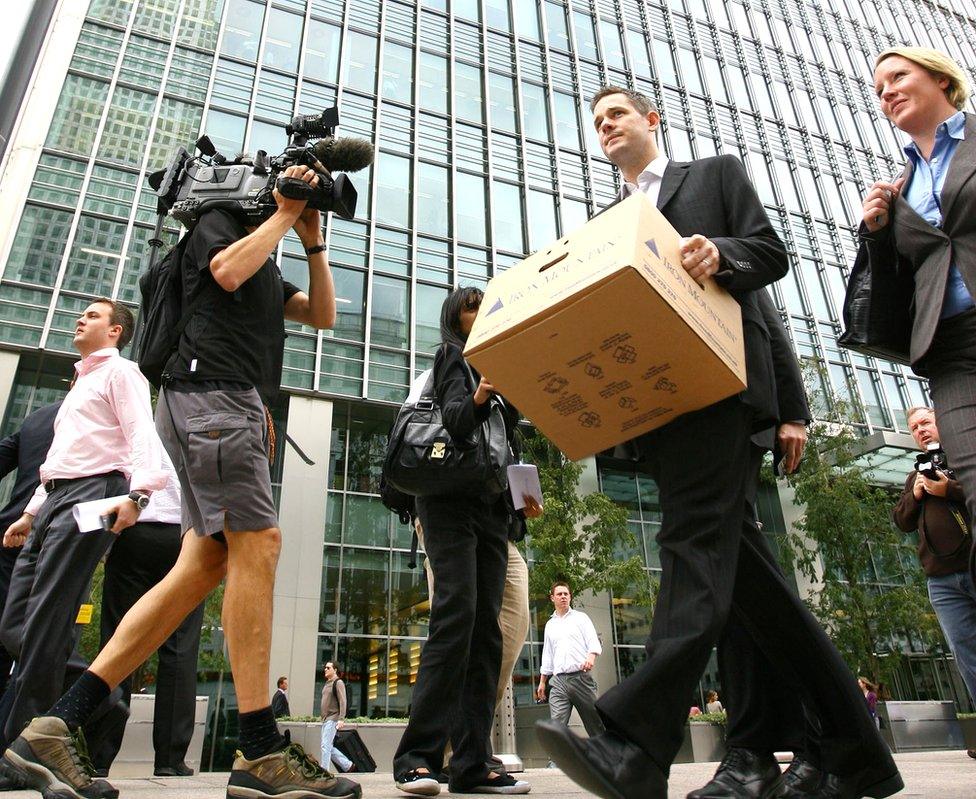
(162, 318)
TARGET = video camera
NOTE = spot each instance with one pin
(192, 185)
(933, 461)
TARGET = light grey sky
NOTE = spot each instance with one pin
(14, 16)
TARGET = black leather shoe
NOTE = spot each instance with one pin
(607, 765)
(800, 779)
(181, 769)
(870, 782)
(742, 774)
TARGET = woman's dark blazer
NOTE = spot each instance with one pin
(913, 246)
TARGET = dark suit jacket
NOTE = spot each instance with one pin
(791, 395)
(713, 197)
(912, 246)
(279, 704)
(25, 451)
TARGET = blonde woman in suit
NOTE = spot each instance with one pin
(925, 222)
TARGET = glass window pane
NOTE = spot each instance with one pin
(350, 304)
(508, 217)
(432, 205)
(567, 120)
(496, 14)
(322, 51)
(556, 23)
(283, 40)
(393, 189)
(433, 82)
(390, 312)
(243, 29)
(467, 92)
(397, 72)
(534, 112)
(470, 208)
(528, 19)
(38, 246)
(542, 220)
(360, 57)
(501, 93)
(585, 37)
(226, 131)
(429, 301)
(76, 117)
(365, 585)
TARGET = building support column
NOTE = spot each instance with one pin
(298, 586)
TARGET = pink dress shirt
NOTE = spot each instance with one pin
(105, 424)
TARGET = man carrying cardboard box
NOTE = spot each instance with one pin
(702, 465)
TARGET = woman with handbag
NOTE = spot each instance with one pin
(466, 541)
(921, 227)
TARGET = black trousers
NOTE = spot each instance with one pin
(50, 581)
(711, 568)
(466, 540)
(8, 556)
(764, 710)
(140, 558)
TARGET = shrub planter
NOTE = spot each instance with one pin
(968, 724)
(707, 741)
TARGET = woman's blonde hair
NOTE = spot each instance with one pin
(939, 64)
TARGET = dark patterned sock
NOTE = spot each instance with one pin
(77, 706)
(259, 733)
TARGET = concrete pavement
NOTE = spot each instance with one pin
(935, 775)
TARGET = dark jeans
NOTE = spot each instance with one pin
(711, 568)
(466, 542)
(140, 558)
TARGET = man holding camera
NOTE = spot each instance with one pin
(933, 503)
(214, 421)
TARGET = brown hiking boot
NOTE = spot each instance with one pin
(288, 773)
(49, 758)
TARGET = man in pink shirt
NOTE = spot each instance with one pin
(105, 445)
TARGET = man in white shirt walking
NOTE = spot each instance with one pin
(568, 655)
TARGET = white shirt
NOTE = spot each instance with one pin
(648, 181)
(105, 424)
(164, 504)
(569, 640)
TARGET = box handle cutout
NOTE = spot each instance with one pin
(554, 261)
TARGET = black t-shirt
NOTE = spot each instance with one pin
(236, 338)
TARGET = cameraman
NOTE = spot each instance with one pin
(214, 421)
(936, 507)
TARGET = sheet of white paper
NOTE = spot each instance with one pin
(417, 387)
(523, 480)
(87, 514)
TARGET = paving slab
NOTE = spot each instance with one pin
(933, 775)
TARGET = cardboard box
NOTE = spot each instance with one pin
(603, 335)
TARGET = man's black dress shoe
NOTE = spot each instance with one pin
(800, 779)
(742, 774)
(181, 769)
(607, 765)
(870, 782)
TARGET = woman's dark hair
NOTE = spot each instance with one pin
(451, 313)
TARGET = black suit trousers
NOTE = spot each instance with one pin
(49, 583)
(466, 540)
(711, 568)
(140, 558)
(764, 709)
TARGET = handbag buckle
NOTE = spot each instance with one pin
(438, 450)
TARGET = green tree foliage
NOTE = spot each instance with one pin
(579, 538)
(846, 528)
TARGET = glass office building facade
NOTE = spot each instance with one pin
(484, 151)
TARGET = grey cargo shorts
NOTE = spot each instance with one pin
(217, 441)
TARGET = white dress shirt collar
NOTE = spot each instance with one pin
(648, 181)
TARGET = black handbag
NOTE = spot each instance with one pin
(878, 306)
(422, 459)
